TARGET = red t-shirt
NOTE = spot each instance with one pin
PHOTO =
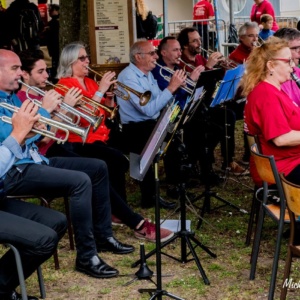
(43, 9)
(102, 133)
(270, 113)
(240, 54)
(264, 7)
(199, 61)
(203, 10)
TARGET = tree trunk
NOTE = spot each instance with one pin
(73, 22)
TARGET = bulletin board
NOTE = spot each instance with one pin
(110, 33)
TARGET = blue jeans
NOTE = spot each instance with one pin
(85, 181)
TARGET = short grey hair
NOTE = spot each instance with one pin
(243, 29)
(136, 48)
(68, 56)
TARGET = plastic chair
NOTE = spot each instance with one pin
(21, 274)
(292, 196)
(268, 173)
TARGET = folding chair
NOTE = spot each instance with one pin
(21, 275)
(292, 196)
(268, 173)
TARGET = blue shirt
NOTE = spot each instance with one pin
(22, 154)
(131, 110)
(265, 33)
(180, 95)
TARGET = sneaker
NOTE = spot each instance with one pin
(147, 232)
(116, 221)
(236, 169)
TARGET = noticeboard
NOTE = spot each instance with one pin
(110, 32)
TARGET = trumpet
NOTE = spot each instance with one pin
(94, 121)
(227, 63)
(144, 97)
(96, 105)
(167, 78)
(82, 132)
(187, 65)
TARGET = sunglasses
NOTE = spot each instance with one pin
(83, 58)
(151, 53)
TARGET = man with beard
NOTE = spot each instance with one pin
(212, 121)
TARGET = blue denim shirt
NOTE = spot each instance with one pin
(131, 110)
(22, 154)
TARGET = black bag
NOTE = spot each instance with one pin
(147, 28)
(28, 25)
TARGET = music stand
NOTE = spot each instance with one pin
(139, 165)
(225, 92)
(186, 236)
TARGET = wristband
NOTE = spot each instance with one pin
(99, 94)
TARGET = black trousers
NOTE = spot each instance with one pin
(119, 206)
(204, 132)
(136, 135)
(117, 163)
(84, 180)
(34, 230)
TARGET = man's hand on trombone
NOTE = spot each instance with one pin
(194, 75)
(177, 80)
(24, 120)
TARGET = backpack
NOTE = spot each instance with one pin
(28, 24)
(150, 26)
(27, 33)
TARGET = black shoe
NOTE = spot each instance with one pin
(96, 267)
(166, 204)
(16, 296)
(113, 245)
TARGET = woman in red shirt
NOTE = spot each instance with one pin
(72, 72)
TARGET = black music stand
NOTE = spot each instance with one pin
(139, 165)
(225, 92)
(186, 237)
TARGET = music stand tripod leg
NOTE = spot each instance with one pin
(158, 292)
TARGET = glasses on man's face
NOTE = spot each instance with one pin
(296, 48)
(251, 36)
(198, 41)
(151, 53)
(83, 58)
(287, 60)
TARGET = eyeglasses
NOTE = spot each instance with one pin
(287, 60)
(151, 53)
(195, 41)
(83, 58)
(296, 48)
(251, 35)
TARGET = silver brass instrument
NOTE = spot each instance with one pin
(187, 65)
(91, 102)
(82, 132)
(126, 90)
(227, 63)
(167, 78)
(296, 79)
(94, 121)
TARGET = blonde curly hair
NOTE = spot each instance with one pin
(141, 9)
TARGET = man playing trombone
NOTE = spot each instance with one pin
(139, 121)
(84, 180)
